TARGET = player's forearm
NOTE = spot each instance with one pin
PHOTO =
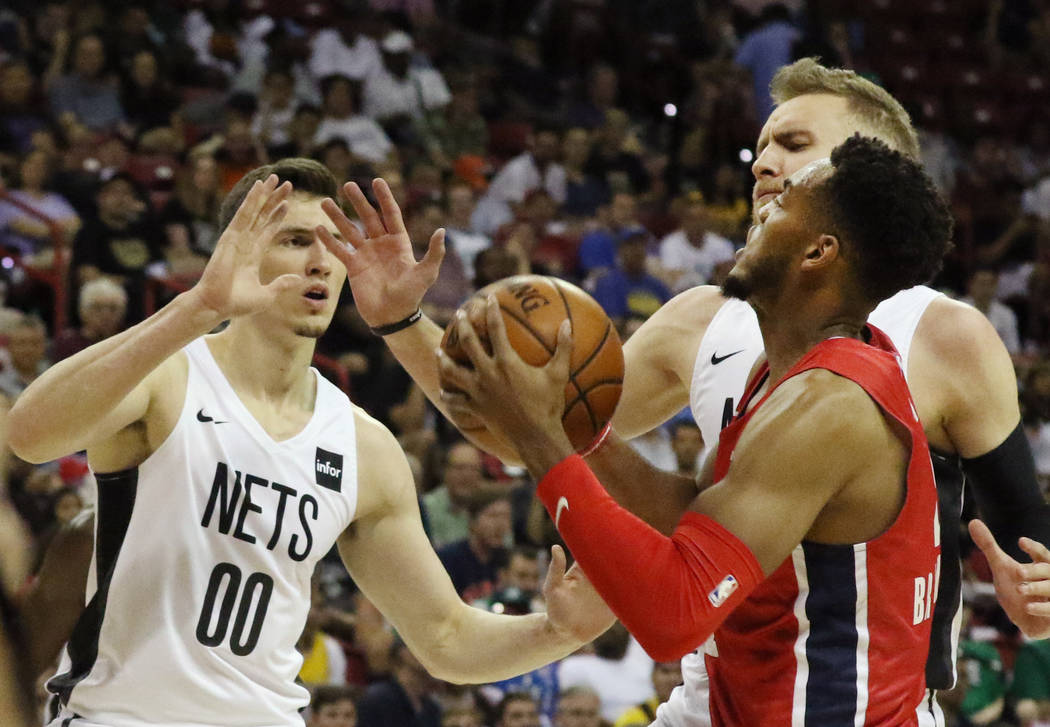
(657, 497)
(59, 411)
(485, 647)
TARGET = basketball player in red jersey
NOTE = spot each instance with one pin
(958, 370)
(812, 554)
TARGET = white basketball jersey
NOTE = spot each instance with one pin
(204, 555)
(728, 351)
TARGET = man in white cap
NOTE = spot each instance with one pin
(400, 90)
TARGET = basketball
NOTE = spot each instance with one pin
(533, 308)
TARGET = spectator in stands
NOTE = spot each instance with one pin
(474, 562)
(333, 706)
(459, 130)
(345, 49)
(464, 240)
(405, 700)
(981, 294)
(89, 91)
(666, 676)
(445, 506)
(578, 706)
(21, 114)
(598, 248)
(276, 109)
(764, 50)
(687, 446)
(27, 356)
(461, 717)
(343, 120)
(301, 132)
(1030, 686)
(619, 672)
(1035, 413)
(628, 289)
(102, 305)
(453, 285)
(616, 157)
(517, 709)
(121, 242)
(533, 169)
(691, 253)
(517, 588)
(191, 216)
(402, 91)
(27, 234)
(603, 87)
(584, 193)
(146, 97)
(324, 661)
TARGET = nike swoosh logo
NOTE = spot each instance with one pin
(563, 504)
(716, 359)
(202, 417)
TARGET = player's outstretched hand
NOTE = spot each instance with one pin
(512, 397)
(230, 283)
(387, 282)
(1023, 589)
(574, 608)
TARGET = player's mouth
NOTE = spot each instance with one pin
(763, 196)
(316, 297)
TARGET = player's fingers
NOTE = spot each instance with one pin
(558, 366)
(340, 249)
(454, 376)
(497, 331)
(272, 201)
(365, 212)
(249, 206)
(458, 403)
(556, 570)
(469, 341)
(392, 219)
(343, 223)
(983, 539)
(284, 283)
(1035, 589)
(273, 220)
(1038, 608)
(431, 261)
(1036, 550)
(1034, 571)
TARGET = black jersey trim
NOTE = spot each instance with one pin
(116, 500)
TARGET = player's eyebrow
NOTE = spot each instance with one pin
(300, 230)
(789, 136)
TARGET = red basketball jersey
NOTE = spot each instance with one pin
(838, 634)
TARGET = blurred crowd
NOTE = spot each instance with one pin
(604, 142)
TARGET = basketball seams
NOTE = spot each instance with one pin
(593, 354)
(525, 324)
(572, 374)
(592, 387)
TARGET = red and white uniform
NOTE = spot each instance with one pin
(838, 634)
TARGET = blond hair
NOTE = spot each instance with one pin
(870, 104)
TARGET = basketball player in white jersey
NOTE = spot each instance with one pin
(227, 467)
(698, 349)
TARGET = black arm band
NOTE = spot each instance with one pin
(1008, 495)
(399, 326)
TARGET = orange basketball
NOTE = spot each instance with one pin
(533, 308)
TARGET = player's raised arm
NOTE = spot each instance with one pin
(391, 560)
(94, 394)
(388, 286)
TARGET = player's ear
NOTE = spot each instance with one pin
(821, 252)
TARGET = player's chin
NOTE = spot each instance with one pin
(311, 330)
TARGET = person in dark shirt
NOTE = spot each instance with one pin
(402, 701)
(474, 563)
(628, 290)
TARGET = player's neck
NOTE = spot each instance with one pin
(791, 331)
(264, 364)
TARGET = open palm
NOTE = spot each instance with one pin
(387, 281)
(230, 284)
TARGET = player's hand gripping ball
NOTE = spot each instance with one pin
(533, 307)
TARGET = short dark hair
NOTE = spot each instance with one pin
(501, 707)
(896, 225)
(331, 694)
(306, 175)
(482, 500)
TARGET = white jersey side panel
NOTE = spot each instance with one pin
(728, 351)
(200, 603)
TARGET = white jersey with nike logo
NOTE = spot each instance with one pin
(203, 557)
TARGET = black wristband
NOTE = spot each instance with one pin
(399, 326)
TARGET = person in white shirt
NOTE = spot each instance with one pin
(538, 167)
(691, 253)
(343, 50)
(398, 88)
(981, 294)
(341, 120)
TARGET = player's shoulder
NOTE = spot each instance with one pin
(954, 334)
(819, 403)
(693, 308)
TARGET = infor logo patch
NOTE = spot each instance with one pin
(328, 470)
